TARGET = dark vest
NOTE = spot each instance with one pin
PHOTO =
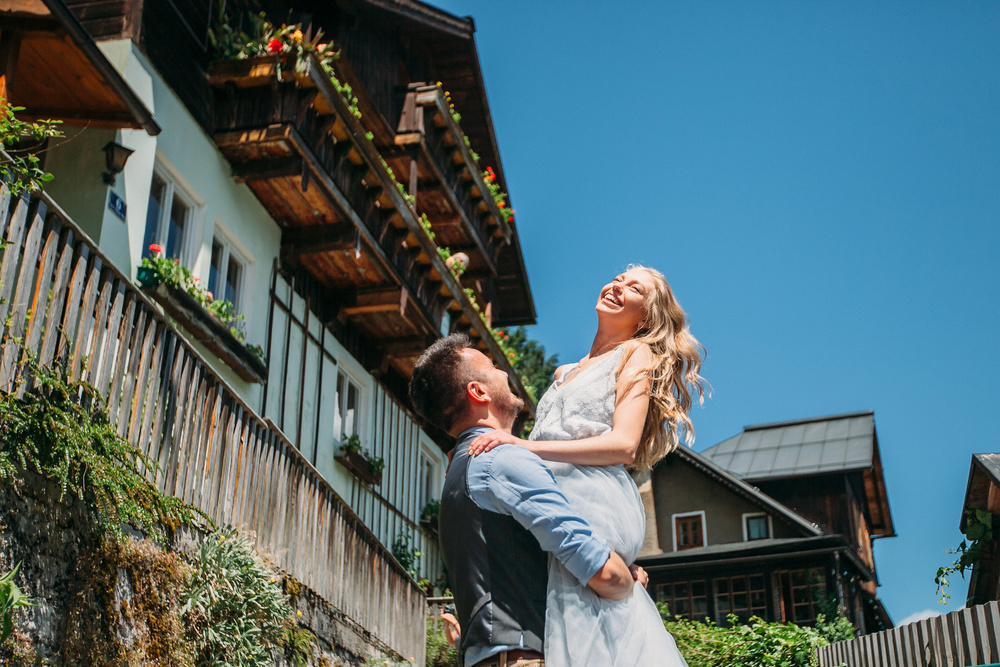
(496, 568)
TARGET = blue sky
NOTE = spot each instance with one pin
(819, 181)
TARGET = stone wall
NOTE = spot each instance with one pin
(64, 568)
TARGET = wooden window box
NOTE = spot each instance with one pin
(430, 524)
(205, 329)
(250, 72)
(358, 465)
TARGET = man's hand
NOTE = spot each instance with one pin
(614, 580)
(639, 575)
(487, 441)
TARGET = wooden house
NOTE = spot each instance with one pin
(775, 522)
(983, 494)
(323, 204)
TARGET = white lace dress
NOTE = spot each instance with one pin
(581, 629)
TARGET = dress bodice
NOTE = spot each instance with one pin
(579, 405)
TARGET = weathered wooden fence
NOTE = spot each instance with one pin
(62, 300)
(960, 639)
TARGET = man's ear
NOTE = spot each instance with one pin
(476, 392)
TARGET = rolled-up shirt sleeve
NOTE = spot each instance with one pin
(513, 481)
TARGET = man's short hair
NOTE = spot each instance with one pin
(440, 378)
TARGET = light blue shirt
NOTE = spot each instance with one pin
(513, 481)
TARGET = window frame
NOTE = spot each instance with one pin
(174, 186)
(426, 495)
(231, 247)
(687, 515)
(746, 528)
(355, 375)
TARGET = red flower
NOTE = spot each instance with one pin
(511, 355)
(274, 45)
(155, 248)
(500, 204)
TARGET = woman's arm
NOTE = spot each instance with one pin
(619, 445)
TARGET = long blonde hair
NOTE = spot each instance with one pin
(672, 373)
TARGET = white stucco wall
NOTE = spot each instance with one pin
(187, 156)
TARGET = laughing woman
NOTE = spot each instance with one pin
(625, 403)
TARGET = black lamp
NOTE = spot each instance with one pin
(115, 156)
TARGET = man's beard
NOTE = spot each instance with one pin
(507, 405)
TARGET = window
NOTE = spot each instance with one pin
(801, 592)
(689, 531)
(347, 408)
(427, 478)
(743, 595)
(225, 275)
(756, 527)
(168, 219)
(685, 599)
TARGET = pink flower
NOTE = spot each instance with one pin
(208, 295)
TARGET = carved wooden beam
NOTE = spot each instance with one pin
(266, 169)
(299, 241)
(377, 301)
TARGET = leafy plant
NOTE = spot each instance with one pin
(432, 510)
(352, 443)
(11, 599)
(980, 526)
(60, 429)
(234, 608)
(439, 652)
(22, 172)
(407, 555)
(756, 643)
(172, 273)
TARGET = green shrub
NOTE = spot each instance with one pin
(234, 609)
(439, 652)
(756, 643)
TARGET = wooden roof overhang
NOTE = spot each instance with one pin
(53, 68)
(303, 153)
(447, 181)
(450, 41)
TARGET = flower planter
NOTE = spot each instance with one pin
(147, 277)
(204, 327)
(430, 524)
(250, 72)
(359, 466)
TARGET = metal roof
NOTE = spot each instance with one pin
(990, 464)
(801, 447)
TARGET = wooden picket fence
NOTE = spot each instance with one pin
(63, 301)
(962, 638)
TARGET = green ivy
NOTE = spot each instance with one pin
(60, 429)
(980, 526)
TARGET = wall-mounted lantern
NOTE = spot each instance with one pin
(115, 156)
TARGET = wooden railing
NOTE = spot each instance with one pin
(964, 637)
(62, 300)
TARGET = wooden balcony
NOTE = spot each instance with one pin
(446, 181)
(63, 301)
(345, 219)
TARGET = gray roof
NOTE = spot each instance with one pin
(802, 447)
(990, 464)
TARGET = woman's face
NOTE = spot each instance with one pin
(624, 298)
